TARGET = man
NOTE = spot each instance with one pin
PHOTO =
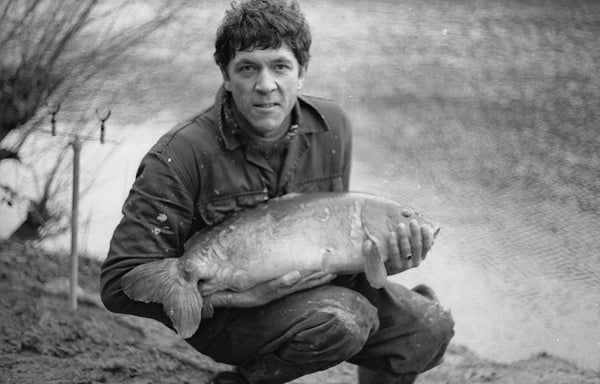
(259, 140)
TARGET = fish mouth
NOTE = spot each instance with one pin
(436, 230)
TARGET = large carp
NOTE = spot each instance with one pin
(297, 232)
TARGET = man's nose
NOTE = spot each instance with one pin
(265, 82)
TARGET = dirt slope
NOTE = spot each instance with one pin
(43, 341)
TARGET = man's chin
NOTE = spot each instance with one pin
(266, 127)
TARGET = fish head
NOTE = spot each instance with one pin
(406, 214)
(381, 216)
(378, 218)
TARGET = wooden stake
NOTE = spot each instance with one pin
(74, 224)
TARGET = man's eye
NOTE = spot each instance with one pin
(281, 67)
(245, 69)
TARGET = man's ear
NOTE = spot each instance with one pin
(302, 71)
(301, 74)
(226, 80)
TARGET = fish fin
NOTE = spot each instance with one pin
(160, 282)
(374, 267)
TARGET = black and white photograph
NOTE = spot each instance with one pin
(300, 191)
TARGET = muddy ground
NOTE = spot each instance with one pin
(43, 341)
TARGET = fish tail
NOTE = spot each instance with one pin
(161, 282)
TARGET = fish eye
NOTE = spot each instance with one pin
(406, 213)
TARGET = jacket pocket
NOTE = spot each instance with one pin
(326, 184)
(216, 210)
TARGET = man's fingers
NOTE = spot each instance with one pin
(427, 236)
(314, 280)
(294, 281)
(367, 247)
(266, 292)
(394, 252)
(416, 243)
(310, 281)
(296, 277)
(287, 280)
(405, 248)
(316, 276)
(229, 299)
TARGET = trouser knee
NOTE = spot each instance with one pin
(412, 339)
(337, 327)
(327, 326)
(445, 326)
(437, 331)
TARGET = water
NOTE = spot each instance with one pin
(485, 117)
(514, 289)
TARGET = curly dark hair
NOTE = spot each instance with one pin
(262, 24)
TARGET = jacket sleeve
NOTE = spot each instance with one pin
(346, 137)
(157, 220)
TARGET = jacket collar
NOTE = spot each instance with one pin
(304, 124)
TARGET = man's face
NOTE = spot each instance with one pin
(264, 84)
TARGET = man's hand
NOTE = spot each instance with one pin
(269, 291)
(407, 246)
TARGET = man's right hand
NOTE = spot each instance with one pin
(269, 291)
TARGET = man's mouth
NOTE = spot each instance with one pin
(265, 105)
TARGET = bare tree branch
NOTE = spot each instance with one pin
(51, 176)
(55, 51)
(20, 20)
(6, 6)
(81, 20)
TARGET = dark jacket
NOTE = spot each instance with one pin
(198, 173)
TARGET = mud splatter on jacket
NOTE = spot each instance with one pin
(198, 173)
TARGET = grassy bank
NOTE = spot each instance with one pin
(43, 341)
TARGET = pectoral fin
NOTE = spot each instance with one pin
(374, 266)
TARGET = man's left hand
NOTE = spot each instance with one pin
(407, 246)
(268, 291)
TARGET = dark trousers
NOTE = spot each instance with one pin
(392, 330)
